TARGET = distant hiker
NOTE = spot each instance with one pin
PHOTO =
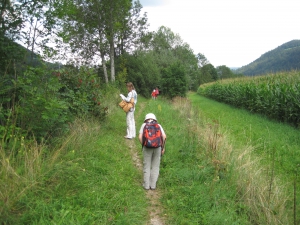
(153, 94)
(156, 92)
(131, 131)
(152, 137)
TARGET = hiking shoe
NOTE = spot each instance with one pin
(127, 137)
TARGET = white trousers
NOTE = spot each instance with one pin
(151, 166)
(131, 132)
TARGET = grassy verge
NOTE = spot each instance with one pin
(193, 192)
(209, 174)
(207, 177)
(276, 144)
(88, 179)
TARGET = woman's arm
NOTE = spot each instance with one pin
(129, 96)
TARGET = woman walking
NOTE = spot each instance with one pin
(152, 149)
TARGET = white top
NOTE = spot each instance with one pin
(130, 95)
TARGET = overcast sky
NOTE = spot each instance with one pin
(228, 32)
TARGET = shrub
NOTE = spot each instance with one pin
(41, 102)
(174, 81)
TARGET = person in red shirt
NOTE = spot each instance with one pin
(153, 94)
(156, 92)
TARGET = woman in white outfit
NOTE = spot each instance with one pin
(151, 156)
(131, 132)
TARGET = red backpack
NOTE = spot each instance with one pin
(152, 136)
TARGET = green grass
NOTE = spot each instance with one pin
(89, 179)
(209, 173)
(276, 144)
(191, 195)
(268, 137)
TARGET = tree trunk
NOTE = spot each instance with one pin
(111, 43)
(104, 67)
(112, 61)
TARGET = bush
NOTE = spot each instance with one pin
(174, 81)
(40, 102)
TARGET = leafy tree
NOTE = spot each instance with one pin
(134, 31)
(143, 71)
(224, 72)
(36, 33)
(10, 19)
(10, 26)
(101, 29)
(208, 74)
(174, 82)
(202, 60)
(185, 55)
(165, 39)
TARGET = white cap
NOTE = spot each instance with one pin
(150, 116)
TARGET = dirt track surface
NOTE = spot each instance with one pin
(153, 196)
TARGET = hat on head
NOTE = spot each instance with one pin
(150, 116)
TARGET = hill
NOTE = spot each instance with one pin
(11, 51)
(283, 58)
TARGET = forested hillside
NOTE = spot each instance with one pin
(283, 58)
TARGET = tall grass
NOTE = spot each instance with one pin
(19, 174)
(273, 146)
(86, 178)
(208, 181)
(89, 177)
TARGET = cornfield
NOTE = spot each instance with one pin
(276, 96)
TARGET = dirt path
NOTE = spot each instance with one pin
(153, 196)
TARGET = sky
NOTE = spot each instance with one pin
(228, 32)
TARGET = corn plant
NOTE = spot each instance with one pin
(276, 96)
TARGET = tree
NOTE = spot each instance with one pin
(10, 19)
(186, 56)
(202, 60)
(134, 30)
(101, 29)
(165, 39)
(143, 71)
(10, 26)
(208, 74)
(38, 27)
(115, 12)
(174, 81)
(224, 72)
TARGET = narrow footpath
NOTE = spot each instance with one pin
(153, 196)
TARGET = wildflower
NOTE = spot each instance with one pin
(159, 107)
